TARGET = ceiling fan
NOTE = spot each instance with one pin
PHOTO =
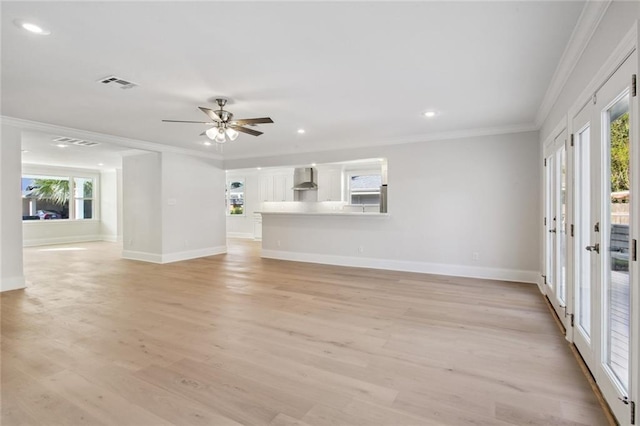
(224, 125)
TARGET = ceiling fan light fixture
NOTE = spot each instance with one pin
(232, 134)
(220, 137)
(224, 127)
(212, 133)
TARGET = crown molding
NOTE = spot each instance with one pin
(102, 137)
(588, 22)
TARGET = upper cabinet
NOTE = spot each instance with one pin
(276, 186)
(329, 183)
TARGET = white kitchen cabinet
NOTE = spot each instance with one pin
(265, 183)
(329, 184)
(282, 185)
(276, 187)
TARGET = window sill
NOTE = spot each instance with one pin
(60, 221)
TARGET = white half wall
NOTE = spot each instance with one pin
(448, 200)
(11, 263)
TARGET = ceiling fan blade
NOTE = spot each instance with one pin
(243, 121)
(247, 131)
(186, 121)
(203, 134)
(211, 113)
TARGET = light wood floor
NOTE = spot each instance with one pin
(235, 339)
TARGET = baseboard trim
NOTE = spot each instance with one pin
(407, 266)
(61, 240)
(111, 238)
(247, 235)
(12, 283)
(173, 257)
(193, 254)
(540, 282)
(142, 256)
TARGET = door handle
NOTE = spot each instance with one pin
(552, 230)
(595, 247)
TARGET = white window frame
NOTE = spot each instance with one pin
(71, 174)
(368, 172)
(227, 206)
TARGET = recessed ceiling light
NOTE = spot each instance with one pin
(206, 143)
(100, 164)
(313, 164)
(430, 114)
(31, 27)
(301, 131)
(62, 145)
(24, 151)
(259, 168)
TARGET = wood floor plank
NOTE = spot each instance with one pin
(236, 339)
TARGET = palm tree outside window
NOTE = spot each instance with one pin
(49, 197)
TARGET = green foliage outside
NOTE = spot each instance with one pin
(57, 191)
(620, 154)
(236, 210)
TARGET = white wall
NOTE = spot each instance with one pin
(43, 232)
(11, 274)
(447, 200)
(193, 220)
(142, 207)
(110, 205)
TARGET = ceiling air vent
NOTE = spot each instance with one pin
(72, 141)
(114, 81)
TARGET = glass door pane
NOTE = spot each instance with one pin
(551, 222)
(583, 232)
(616, 279)
(561, 225)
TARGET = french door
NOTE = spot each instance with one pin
(556, 225)
(605, 275)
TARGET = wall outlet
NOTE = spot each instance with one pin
(360, 249)
(278, 243)
(475, 255)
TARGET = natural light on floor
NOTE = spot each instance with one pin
(63, 249)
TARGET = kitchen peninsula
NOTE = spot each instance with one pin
(326, 213)
(337, 238)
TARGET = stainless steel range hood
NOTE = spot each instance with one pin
(304, 179)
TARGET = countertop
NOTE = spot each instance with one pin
(330, 213)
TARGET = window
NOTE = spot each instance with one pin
(50, 197)
(235, 197)
(83, 195)
(364, 188)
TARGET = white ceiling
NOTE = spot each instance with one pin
(349, 73)
(41, 148)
